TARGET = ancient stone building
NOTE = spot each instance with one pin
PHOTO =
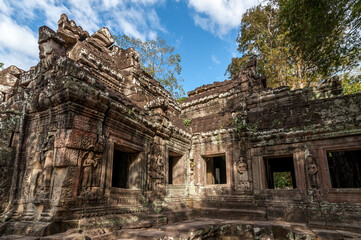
(89, 140)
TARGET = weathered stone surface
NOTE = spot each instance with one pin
(89, 140)
(103, 37)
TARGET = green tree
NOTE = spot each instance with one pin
(1, 65)
(351, 81)
(282, 180)
(325, 33)
(260, 36)
(158, 60)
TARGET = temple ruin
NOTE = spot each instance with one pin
(93, 146)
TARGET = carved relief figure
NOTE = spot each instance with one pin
(159, 166)
(48, 159)
(241, 165)
(89, 165)
(242, 168)
(312, 170)
(133, 56)
(157, 173)
(36, 180)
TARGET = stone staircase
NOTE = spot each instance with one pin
(183, 224)
(207, 228)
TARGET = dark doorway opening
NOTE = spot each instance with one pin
(345, 168)
(121, 165)
(170, 169)
(280, 173)
(216, 170)
(175, 169)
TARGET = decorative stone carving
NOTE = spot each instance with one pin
(70, 31)
(244, 184)
(242, 176)
(133, 56)
(103, 37)
(312, 169)
(51, 46)
(100, 144)
(89, 165)
(48, 159)
(241, 165)
(36, 180)
(41, 180)
(159, 166)
(9, 78)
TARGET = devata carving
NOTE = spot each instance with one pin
(48, 159)
(241, 165)
(242, 176)
(312, 170)
(89, 166)
(36, 179)
(133, 56)
(159, 167)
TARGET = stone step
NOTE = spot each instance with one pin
(207, 228)
(75, 233)
(190, 225)
(241, 214)
(27, 228)
(179, 215)
(145, 234)
(16, 237)
(335, 234)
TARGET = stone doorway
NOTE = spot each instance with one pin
(175, 169)
(280, 173)
(345, 168)
(125, 169)
(216, 170)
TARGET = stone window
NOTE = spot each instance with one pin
(280, 173)
(345, 168)
(124, 170)
(175, 169)
(216, 170)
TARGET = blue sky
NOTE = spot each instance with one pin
(203, 31)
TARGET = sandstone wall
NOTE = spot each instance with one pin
(88, 133)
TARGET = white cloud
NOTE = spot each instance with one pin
(127, 26)
(18, 59)
(178, 42)
(219, 16)
(112, 3)
(215, 59)
(152, 35)
(17, 37)
(5, 8)
(18, 46)
(154, 20)
(148, 2)
(85, 13)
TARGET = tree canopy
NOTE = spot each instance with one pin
(261, 36)
(325, 33)
(351, 81)
(299, 42)
(158, 60)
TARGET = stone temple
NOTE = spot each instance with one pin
(92, 147)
